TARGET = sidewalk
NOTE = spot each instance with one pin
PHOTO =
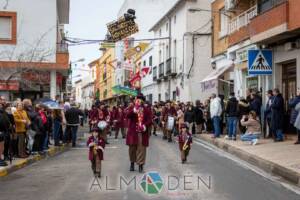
(281, 159)
(19, 163)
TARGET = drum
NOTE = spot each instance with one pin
(102, 125)
(170, 124)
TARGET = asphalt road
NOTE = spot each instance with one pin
(68, 176)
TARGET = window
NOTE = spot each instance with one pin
(159, 32)
(8, 27)
(150, 61)
(167, 27)
(174, 95)
(167, 51)
(265, 5)
(175, 19)
(160, 56)
(223, 23)
(5, 28)
(145, 63)
(159, 97)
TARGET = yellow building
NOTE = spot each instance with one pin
(105, 75)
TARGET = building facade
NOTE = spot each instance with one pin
(105, 75)
(37, 67)
(181, 58)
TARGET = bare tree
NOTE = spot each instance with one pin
(30, 53)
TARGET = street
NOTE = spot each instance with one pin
(68, 176)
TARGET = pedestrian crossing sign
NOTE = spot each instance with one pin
(260, 62)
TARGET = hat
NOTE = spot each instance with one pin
(141, 97)
(184, 126)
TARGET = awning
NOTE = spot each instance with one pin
(216, 73)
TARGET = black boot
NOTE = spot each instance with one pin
(170, 140)
(141, 168)
(132, 167)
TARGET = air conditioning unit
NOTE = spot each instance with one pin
(290, 46)
(230, 4)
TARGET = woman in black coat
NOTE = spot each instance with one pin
(277, 110)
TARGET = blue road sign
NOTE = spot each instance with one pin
(260, 62)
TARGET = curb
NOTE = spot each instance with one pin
(268, 166)
(53, 151)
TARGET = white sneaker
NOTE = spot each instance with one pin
(227, 137)
(254, 142)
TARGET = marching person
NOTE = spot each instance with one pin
(93, 117)
(198, 115)
(96, 144)
(169, 113)
(184, 141)
(120, 123)
(137, 136)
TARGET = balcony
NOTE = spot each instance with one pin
(62, 56)
(161, 70)
(271, 21)
(242, 20)
(171, 67)
(154, 73)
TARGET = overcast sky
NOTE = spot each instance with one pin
(88, 19)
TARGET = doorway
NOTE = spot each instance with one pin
(289, 89)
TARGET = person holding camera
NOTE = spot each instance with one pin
(253, 131)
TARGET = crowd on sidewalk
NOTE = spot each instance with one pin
(26, 128)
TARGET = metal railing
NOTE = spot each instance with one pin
(161, 70)
(242, 20)
(168, 66)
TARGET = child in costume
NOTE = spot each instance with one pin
(184, 140)
(96, 144)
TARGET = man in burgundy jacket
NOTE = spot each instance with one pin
(169, 111)
(137, 136)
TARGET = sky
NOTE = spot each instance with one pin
(88, 19)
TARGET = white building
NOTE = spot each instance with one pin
(87, 93)
(34, 60)
(182, 60)
(147, 12)
(78, 92)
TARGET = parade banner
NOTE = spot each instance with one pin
(121, 29)
(124, 90)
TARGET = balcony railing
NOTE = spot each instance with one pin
(169, 66)
(154, 73)
(161, 70)
(242, 20)
(62, 48)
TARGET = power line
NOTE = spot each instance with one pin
(80, 41)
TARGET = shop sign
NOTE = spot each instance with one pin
(10, 85)
(124, 90)
(208, 85)
(260, 62)
(122, 29)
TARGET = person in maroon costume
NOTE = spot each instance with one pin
(120, 122)
(169, 111)
(96, 145)
(103, 115)
(93, 117)
(137, 136)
